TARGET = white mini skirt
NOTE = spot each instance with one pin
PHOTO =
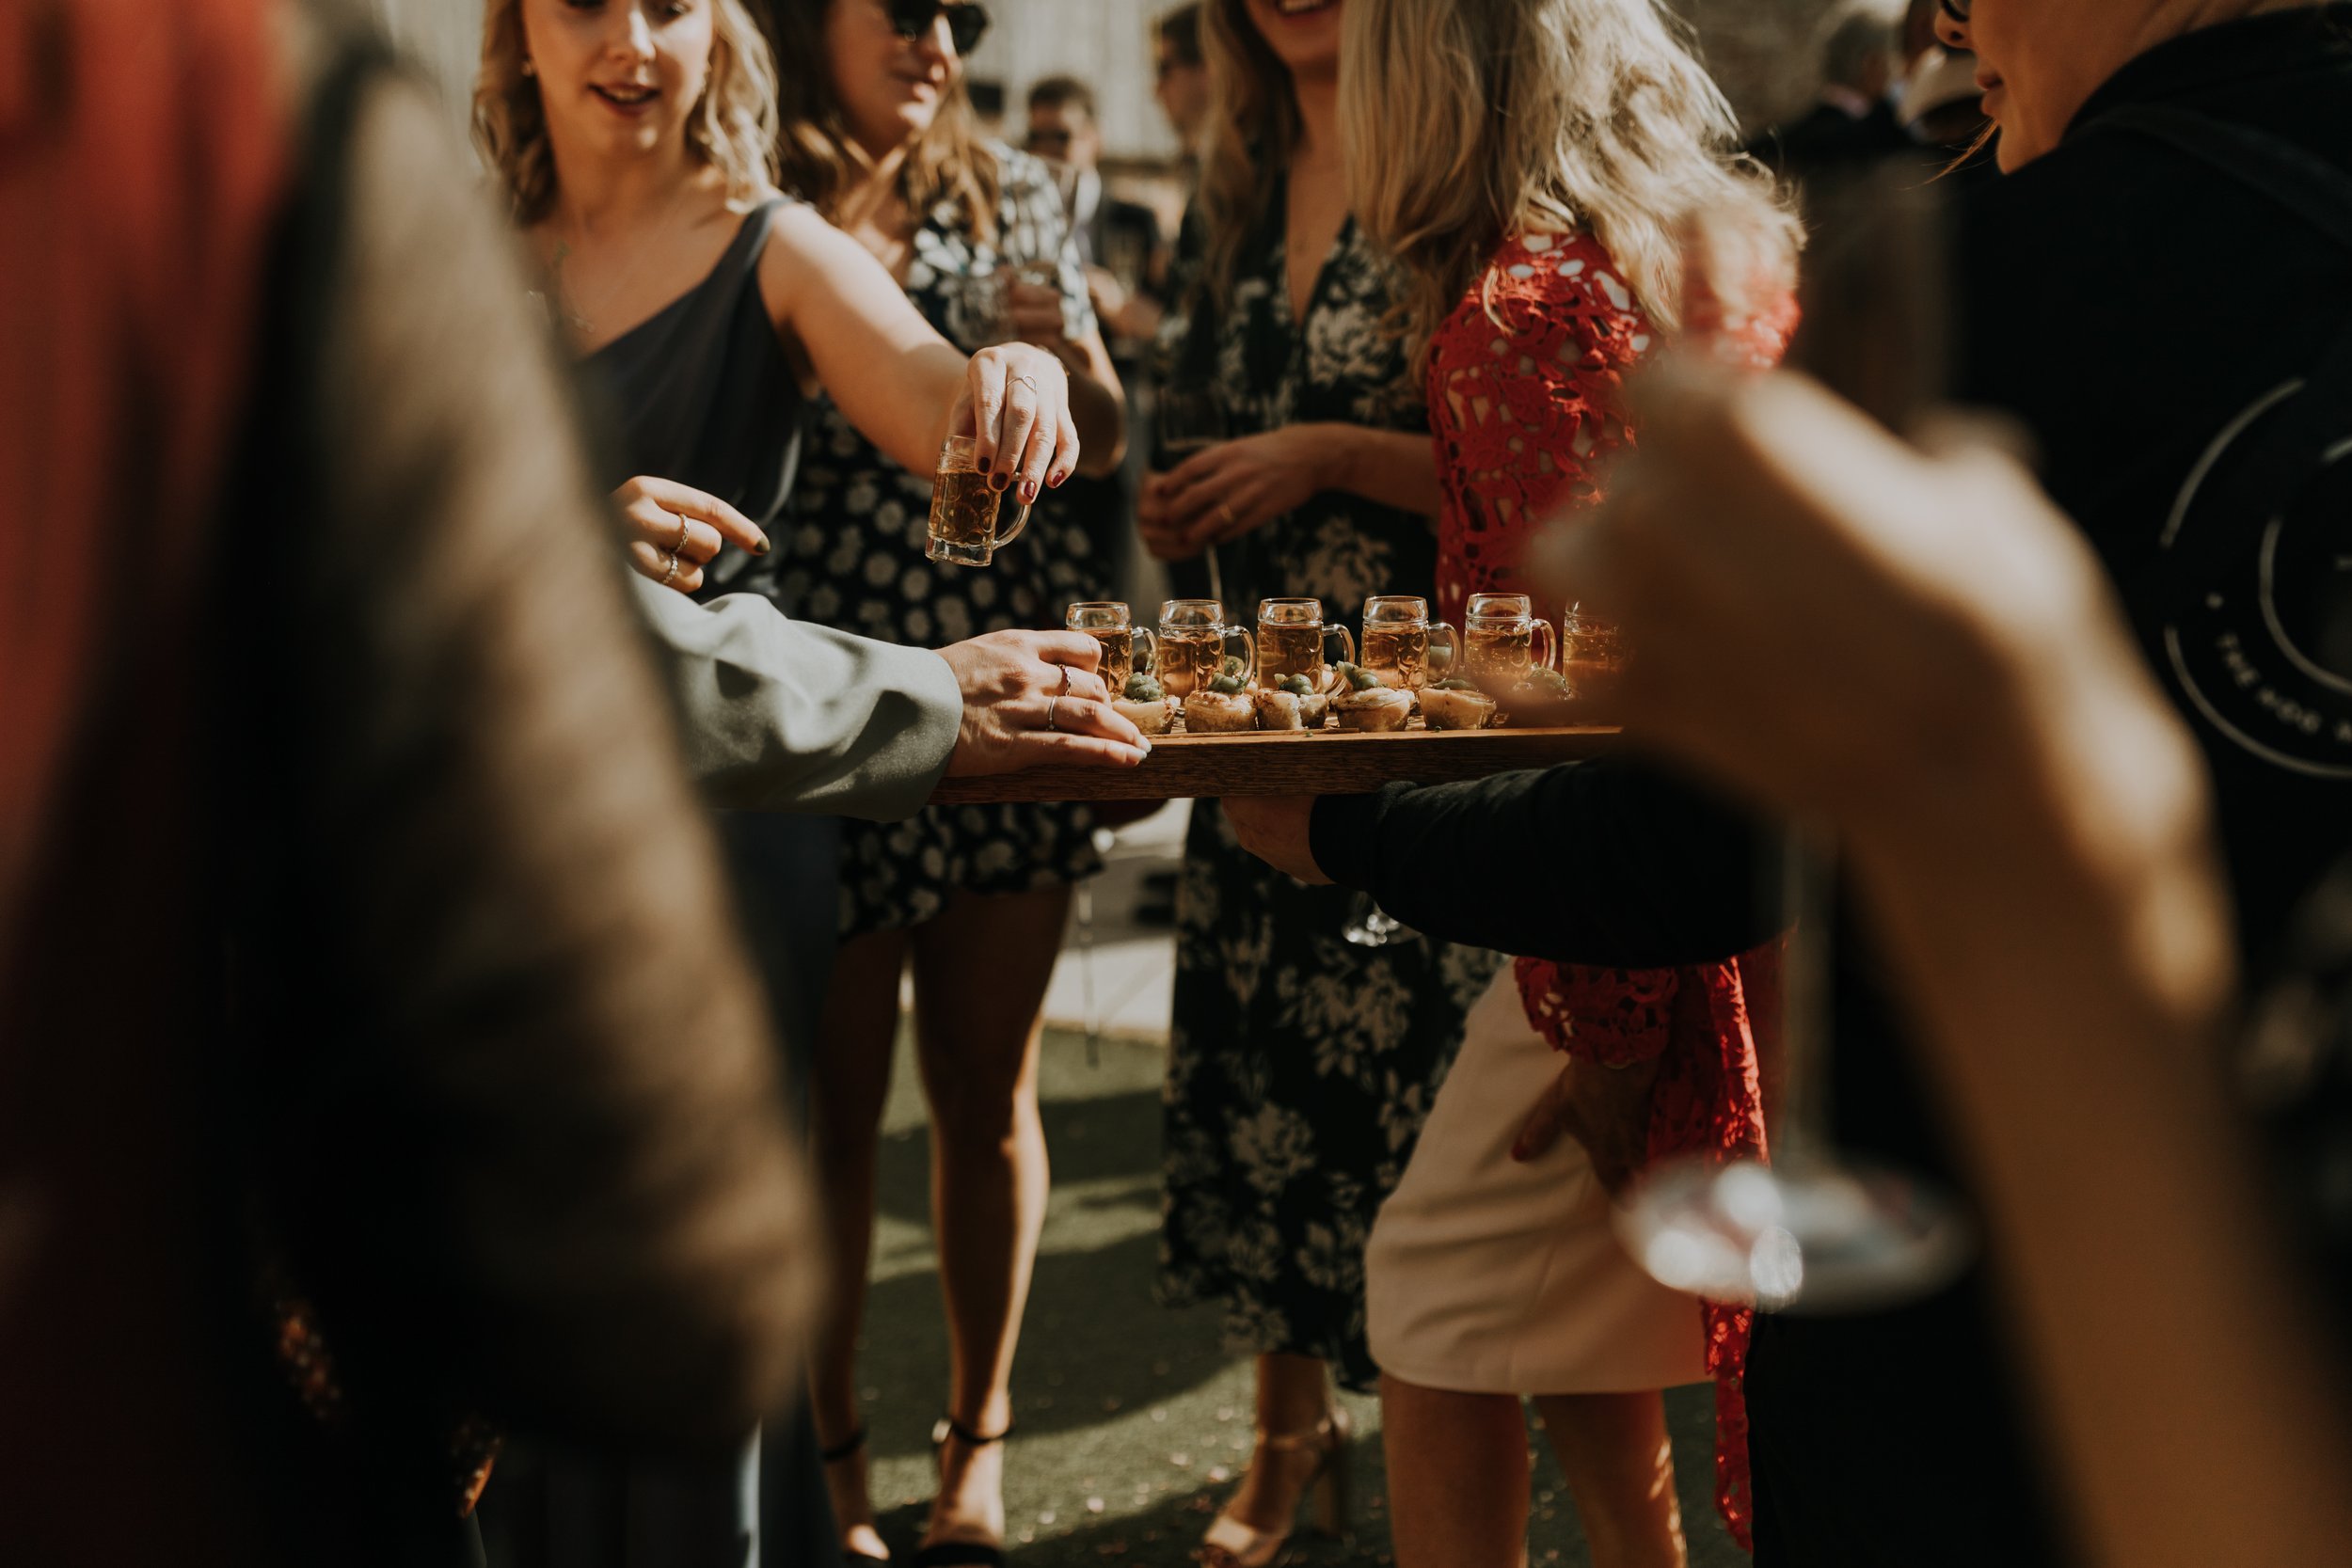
(1485, 1275)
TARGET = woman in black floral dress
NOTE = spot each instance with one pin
(879, 135)
(1302, 1064)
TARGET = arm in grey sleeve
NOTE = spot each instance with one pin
(781, 716)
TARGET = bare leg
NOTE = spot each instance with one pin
(1293, 1398)
(848, 1081)
(981, 973)
(1619, 1464)
(1457, 1476)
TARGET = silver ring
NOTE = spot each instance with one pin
(1052, 715)
(1067, 671)
(670, 575)
(685, 531)
(1025, 381)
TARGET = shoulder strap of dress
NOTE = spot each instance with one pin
(2299, 179)
(751, 238)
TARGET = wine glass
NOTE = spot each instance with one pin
(1816, 1231)
(1192, 418)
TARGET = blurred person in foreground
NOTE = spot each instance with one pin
(2207, 501)
(440, 1040)
(1531, 292)
(2051, 897)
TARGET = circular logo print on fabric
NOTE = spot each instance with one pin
(2263, 646)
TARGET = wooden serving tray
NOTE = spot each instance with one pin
(1293, 762)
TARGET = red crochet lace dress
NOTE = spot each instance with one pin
(1524, 394)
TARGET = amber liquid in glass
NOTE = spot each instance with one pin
(1287, 650)
(1119, 655)
(1499, 658)
(963, 510)
(1190, 659)
(1402, 651)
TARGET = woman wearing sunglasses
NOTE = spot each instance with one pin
(878, 136)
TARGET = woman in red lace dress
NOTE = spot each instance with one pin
(1542, 168)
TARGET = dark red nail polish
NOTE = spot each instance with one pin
(997, 481)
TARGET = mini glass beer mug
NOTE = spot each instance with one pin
(964, 509)
(1292, 641)
(1110, 626)
(1503, 642)
(1194, 642)
(1592, 653)
(1400, 638)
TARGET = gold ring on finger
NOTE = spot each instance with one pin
(1067, 671)
(1225, 511)
(670, 575)
(685, 531)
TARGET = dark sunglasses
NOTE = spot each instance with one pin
(968, 21)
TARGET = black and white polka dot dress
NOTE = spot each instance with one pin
(852, 558)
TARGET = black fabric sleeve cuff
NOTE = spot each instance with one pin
(1344, 834)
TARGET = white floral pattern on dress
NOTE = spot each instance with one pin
(1301, 1067)
(855, 560)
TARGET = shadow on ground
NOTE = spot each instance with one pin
(1133, 1419)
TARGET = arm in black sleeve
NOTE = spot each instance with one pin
(1610, 862)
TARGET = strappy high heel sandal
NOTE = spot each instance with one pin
(848, 1447)
(960, 1554)
(1232, 1543)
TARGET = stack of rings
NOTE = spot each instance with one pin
(685, 531)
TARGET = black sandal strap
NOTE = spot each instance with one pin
(949, 1427)
(843, 1450)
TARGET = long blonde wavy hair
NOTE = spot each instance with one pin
(820, 161)
(1467, 121)
(1254, 127)
(731, 127)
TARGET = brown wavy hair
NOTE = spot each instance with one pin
(1254, 126)
(731, 127)
(819, 159)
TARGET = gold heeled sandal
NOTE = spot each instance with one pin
(1232, 1543)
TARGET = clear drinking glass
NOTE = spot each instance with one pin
(1592, 653)
(1401, 643)
(1126, 647)
(1816, 1231)
(1194, 644)
(1192, 418)
(964, 509)
(1504, 641)
(1293, 639)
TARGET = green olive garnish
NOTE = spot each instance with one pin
(1362, 680)
(1226, 685)
(1298, 685)
(1143, 688)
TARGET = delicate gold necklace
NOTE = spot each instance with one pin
(574, 314)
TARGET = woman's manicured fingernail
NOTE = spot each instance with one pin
(763, 547)
(1058, 475)
(1028, 492)
(997, 481)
